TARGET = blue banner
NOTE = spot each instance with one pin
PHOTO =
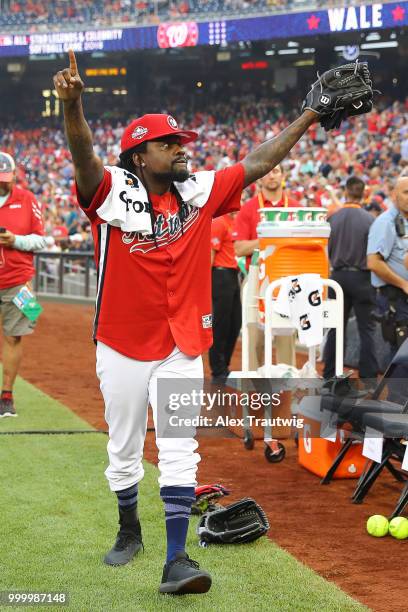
(359, 18)
(191, 34)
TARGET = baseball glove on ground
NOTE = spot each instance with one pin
(340, 93)
(243, 521)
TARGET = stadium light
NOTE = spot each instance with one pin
(308, 50)
(305, 62)
(373, 36)
(270, 52)
(15, 68)
(105, 72)
(259, 65)
(288, 51)
(380, 45)
(47, 111)
(223, 56)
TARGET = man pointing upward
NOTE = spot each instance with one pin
(151, 223)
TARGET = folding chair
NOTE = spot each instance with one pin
(353, 408)
(352, 413)
(401, 503)
(394, 427)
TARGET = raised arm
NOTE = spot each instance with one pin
(339, 93)
(88, 166)
(270, 153)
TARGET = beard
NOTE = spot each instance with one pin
(274, 186)
(178, 176)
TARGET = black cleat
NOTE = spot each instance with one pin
(127, 545)
(183, 576)
(7, 408)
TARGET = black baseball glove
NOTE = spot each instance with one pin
(339, 93)
(243, 521)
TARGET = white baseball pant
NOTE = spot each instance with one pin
(127, 386)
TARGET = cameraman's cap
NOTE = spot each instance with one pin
(7, 168)
(152, 127)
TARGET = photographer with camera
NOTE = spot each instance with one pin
(386, 251)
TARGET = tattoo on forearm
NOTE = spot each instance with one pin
(270, 153)
(78, 133)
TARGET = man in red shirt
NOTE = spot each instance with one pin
(271, 193)
(246, 240)
(226, 299)
(21, 232)
(151, 223)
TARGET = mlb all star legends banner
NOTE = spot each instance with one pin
(220, 32)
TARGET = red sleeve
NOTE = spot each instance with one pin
(99, 197)
(244, 227)
(217, 233)
(227, 189)
(37, 225)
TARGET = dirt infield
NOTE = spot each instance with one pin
(318, 525)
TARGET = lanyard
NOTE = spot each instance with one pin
(261, 200)
(351, 206)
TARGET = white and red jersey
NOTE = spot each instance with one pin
(21, 215)
(152, 299)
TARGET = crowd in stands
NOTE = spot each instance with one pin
(112, 12)
(57, 14)
(374, 147)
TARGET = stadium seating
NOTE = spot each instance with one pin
(62, 13)
(315, 168)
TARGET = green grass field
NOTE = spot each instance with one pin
(58, 518)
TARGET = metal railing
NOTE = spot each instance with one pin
(69, 274)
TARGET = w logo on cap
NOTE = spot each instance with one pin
(172, 122)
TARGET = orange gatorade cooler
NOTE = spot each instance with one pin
(291, 241)
(317, 454)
